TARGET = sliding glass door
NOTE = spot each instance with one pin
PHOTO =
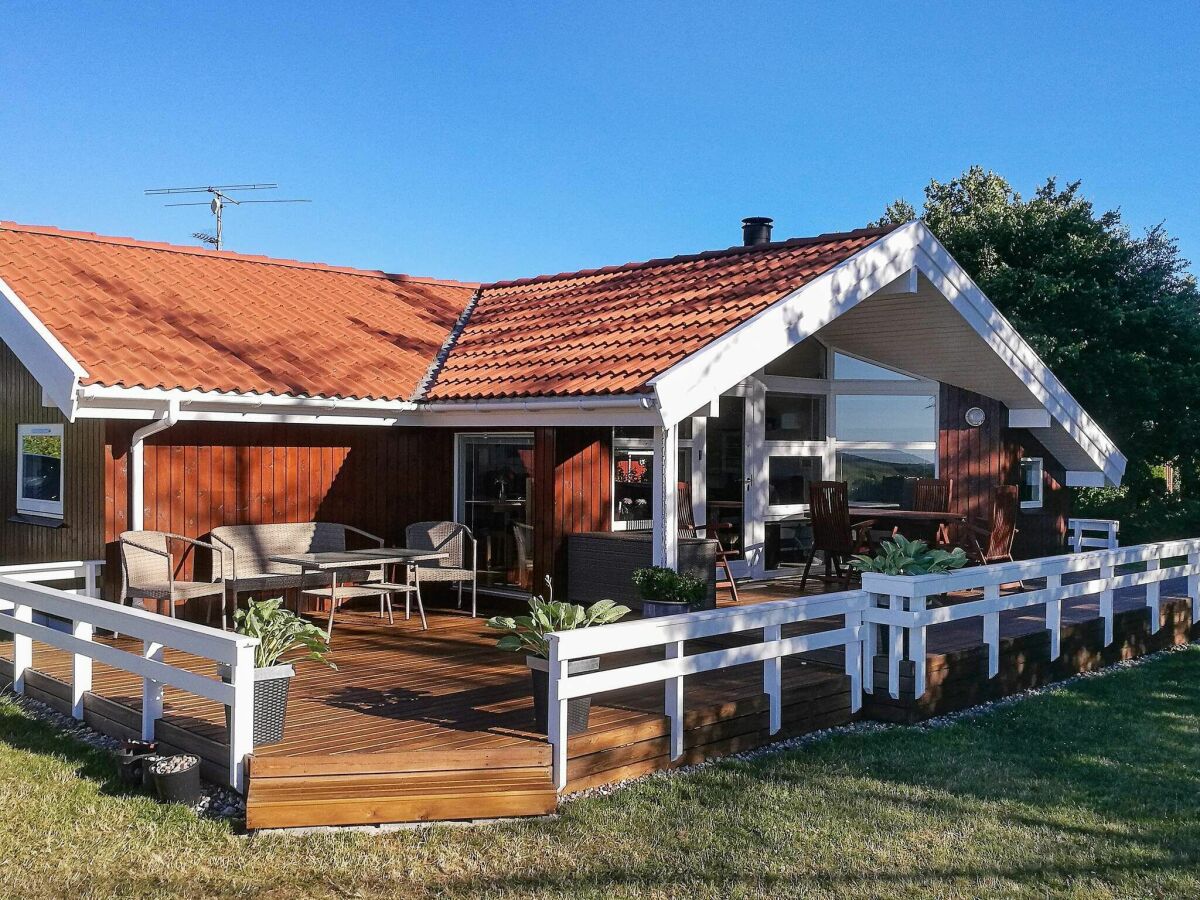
(493, 490)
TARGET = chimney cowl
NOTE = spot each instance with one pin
(756, 230)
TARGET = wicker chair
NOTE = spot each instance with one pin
(833, 533)
(450, 538)
(147, 571)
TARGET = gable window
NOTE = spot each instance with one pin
(40, 470)
(1030, 485)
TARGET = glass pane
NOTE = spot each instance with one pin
(1030, 488)
(685, 429)
(495, 483)
(805, 360)
(41, 467)
(639, 433)
(793, 417)
(848, 367)
(877, 476)
(726, 488)
(633, 473)
(877, 417)
(788, 478)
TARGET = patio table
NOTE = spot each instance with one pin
(897, 516)
(335, 561)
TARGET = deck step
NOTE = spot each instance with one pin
(411, 786)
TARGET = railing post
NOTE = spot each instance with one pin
(991, 629)
(90, 580)
(674, 701)
(556, 713)
(854, 659)
(916, 648)
(152, 692)
(1153, 593)
(773, 679)
(241, 716)
(895, 647)
(1107, 572)
(870, 646)
(1054, 615)
(81, 669)
(1193, 583)
(1076, 536)
(22, 648)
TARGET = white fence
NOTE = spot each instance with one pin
(1093, 534)
(22, 598)
(670, 633)
(891, 616)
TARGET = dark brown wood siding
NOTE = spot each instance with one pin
(576, 464)
(200, 475)
(81, 535)
(979, 459)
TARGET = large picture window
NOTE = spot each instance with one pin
(494, 490)
(40, 470)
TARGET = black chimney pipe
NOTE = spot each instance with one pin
(756, 230)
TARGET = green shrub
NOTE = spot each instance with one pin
(661, 585)
(901, 556)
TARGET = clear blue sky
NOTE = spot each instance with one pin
(499, 140)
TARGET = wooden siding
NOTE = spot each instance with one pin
(201, 475)
(979, 459)
(576, 464)
(81, 535)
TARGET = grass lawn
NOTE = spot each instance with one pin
(1092, 791)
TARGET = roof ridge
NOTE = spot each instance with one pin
(161, 246)
(879, 230)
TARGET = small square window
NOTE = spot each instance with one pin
(1030, 486)
(40, 470)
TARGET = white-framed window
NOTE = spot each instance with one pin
(40, 470)
(633, 473)
(1031, 480)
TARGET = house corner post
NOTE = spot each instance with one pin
(665, 509)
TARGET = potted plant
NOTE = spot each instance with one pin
(527, 634)
(900, 556)
(666, 593)
(177, 778)
(280, 632)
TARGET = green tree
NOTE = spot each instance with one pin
(1115, 315)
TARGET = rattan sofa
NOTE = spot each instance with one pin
(249, 548)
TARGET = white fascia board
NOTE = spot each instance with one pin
(39, 351)
(742, 351)
(1086, 479)
(1028, 418)
(965, 296)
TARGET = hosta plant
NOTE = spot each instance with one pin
(900, 556)
(527, 634)
(281, 632)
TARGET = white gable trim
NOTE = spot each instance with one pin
(39, 351)
(743, 350)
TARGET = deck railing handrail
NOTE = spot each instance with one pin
(21, 597)
(670, 632)
(1093, 533)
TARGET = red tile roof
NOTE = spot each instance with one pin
(135, 313)
(609, 331)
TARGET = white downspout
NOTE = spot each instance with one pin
(137, 472)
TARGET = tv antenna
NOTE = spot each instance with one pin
(220, 196)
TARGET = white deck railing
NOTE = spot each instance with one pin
(670, 633)
(1093, 534)
(22, 599)
(900, 603)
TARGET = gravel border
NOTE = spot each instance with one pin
(218, 801)
(868, 727)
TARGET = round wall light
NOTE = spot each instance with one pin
(975, 417)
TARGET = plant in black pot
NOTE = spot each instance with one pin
(528, 634)
(667, 593)
(283, 639)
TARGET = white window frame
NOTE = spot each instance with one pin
(1039, 485)
(47, 508)
(647, 444)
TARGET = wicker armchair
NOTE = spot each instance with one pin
(147, 571)
(450, 538)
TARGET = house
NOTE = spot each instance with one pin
(151, 386)
(187, 388)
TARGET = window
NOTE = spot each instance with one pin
(1030, 487)
(884, 417)
(633, 474)
(877, 476)
(795, 417)
(494, 480)
(39, 470)
(788, 478)
(851, 367)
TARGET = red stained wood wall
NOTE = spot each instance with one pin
(577, 464)
(980, 458)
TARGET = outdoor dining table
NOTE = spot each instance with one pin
(335, 561)
(896, 516)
